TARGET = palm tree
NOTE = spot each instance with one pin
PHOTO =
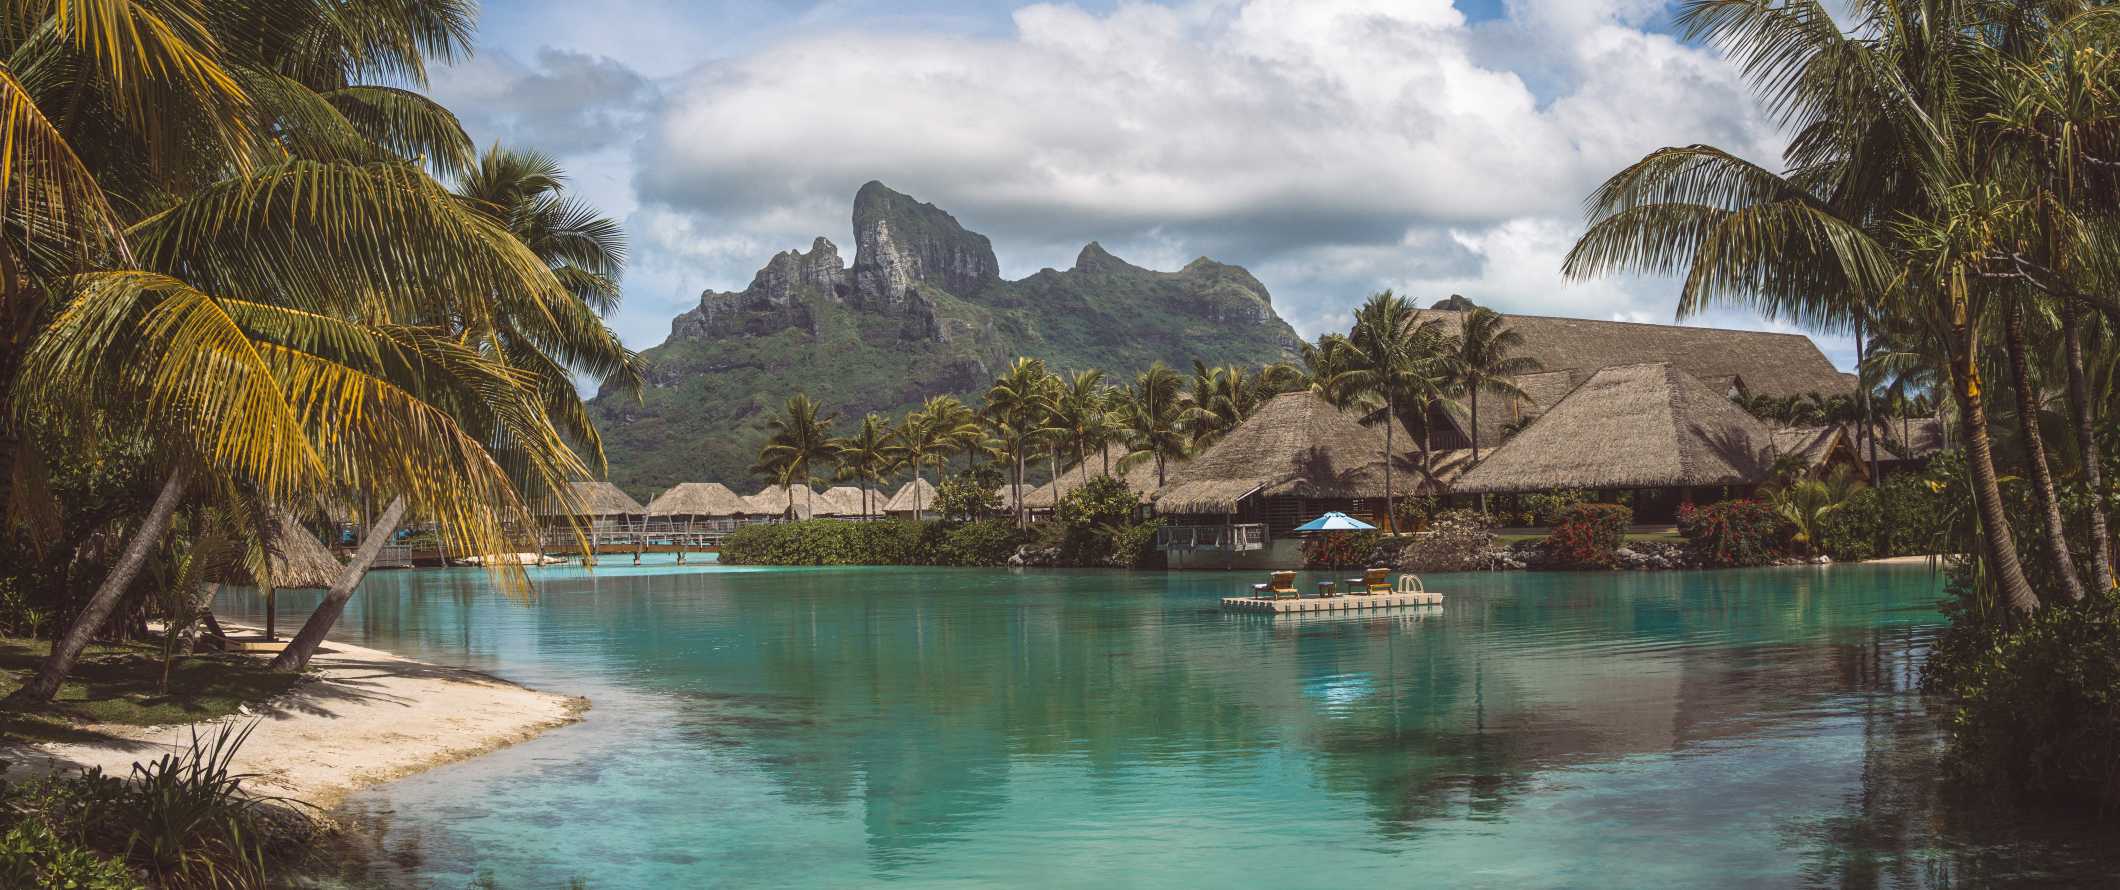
(923, 437)
(1878, 217)
(1079, 413)
(1397, 357)
(1220, 398)
(292, 303)
(867, 454)
(797, 441)
(1322, 370)
(1482, 362)
(1015, 413)
(1151, 415)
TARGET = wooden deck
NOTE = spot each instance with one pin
(1341, 603)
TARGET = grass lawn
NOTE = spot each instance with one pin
(122, 684)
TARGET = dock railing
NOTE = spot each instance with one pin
(1237, 537)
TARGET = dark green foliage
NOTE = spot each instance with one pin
(1731, 534)
(823, 542)
(961, 499)
(1454, 541)
(1341, 550)
(1588, 535)
(988, 542)
(1904, 516)
(184, 819)
(1090, 517)
(1134, 546)
(2035, 707)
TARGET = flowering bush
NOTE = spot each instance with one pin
(1588, 535)
(1341, 550)
(1729, 534)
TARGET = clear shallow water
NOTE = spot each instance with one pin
(938, 727)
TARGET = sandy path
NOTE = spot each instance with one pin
(370, 717)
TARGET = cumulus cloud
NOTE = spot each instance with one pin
(563, 102)
(1336, 147)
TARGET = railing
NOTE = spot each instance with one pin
(1239, 537)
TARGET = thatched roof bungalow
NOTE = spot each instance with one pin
(846, 500)
(1649, 428)
(775, 500)
(915, 499)
(1822, 447)
(1296, 457)
(1570, 350)
(298, 560)
(698, 500)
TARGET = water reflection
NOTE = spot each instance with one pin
(828, 727)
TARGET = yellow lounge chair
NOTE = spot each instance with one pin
(1279, 585)
(1372, 581)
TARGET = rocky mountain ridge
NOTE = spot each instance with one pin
(921, 310)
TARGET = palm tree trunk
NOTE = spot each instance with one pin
(1391, 419)
(2035, 454)
(1980, 459)
(2087, 442)
(1475, 424)
(916, 491)
(296, 656)
(67, 648)
(1869, 428)
(1020, 517)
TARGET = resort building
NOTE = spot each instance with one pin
(914, 500)
(846, 502)
(1296, 457)
(597, 506)
(784, 501)
(696, 502)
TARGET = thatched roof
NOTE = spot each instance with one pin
(299, 560)
(1141, 477)
(844, 500)
(1815, 443)
(699, 499)
(1632, 426)
(1923, 436)
(902, 502)
(1295, 445)
(772, 500)
(1779, 365)
(599, 498)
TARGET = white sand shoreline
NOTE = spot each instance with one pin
(367, 717)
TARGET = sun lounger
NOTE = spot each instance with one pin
(1279, 585)
(1372, 581)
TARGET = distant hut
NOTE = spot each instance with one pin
(597, 505)
(846, 500)
(697, 501)
(774, 500)
(1649, 429)
(298, 560)
(1821, 447)
(1907, 446)
(914, 500)
(1140, 477)
(1294, 458)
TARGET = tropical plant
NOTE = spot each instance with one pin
(1015, 411)
(1482, 363)
(865, 456)
(1152, 413)
(799, 440)
(1397, 358)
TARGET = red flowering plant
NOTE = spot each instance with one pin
(1340, 550)
(1588, 535)
(1731, 534)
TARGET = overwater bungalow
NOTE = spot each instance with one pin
(913, 500)
(1650, 430)
(1236, 503)
(785, 501)
(598, 506)
(695, 502)
(845, 501)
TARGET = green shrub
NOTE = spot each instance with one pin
(1731, 534)
(966, 499)
(1547, 508)
(1341, 550)
(1089, 516)
(1588, 535)
(1133, 546)
(32, 855)
(2035, 708)
(1852, 531)
(823, 542)
(988, 542)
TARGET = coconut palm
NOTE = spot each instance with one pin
(1321, 369)
(1396, 356)
(1482, 363)
(797, 442)
(212, 217)
(1015, 412)
(1080, 413)
(925, 437)
(1219, 399)
(1152, 415)
(867, 454)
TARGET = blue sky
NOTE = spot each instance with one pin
(1334, 147)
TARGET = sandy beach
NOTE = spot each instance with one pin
(368, 717)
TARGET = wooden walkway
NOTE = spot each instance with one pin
(1350, 602)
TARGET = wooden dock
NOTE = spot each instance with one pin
(1352, 602)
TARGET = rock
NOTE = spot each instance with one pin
(900, 242)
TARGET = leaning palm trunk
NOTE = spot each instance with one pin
(1980, 459)
(67, 648)
(2056, 531)
(296, 656)
(2087, 442)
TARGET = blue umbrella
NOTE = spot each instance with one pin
(1336, 522)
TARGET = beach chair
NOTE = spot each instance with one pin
(1372, 581)
(1279, 585)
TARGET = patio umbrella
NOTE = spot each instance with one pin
(1336, 522)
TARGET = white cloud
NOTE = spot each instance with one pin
(1336, 147)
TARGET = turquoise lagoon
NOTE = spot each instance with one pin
(976, 728)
